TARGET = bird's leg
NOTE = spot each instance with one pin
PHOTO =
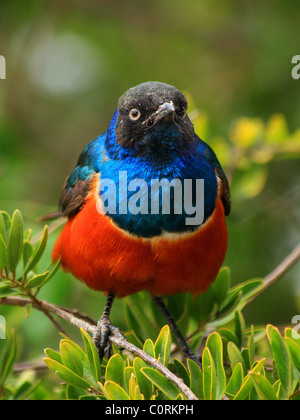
(187, 351)
(105, 328)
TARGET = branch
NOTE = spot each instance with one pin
(115, 338)
(280, 270)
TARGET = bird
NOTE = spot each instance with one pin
(120, 237)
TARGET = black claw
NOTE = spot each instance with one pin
(101, 336)
(104, 329)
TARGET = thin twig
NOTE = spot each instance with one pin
(279, 271)
(114, 338)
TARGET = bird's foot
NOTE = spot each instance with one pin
(101, 336)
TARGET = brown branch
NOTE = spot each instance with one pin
(280, 270)
(114, 338)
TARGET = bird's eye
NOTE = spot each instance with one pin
(134, 114)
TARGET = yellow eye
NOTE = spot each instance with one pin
(134, 114)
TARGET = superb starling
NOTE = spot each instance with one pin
(145, 206)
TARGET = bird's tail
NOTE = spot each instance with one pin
(51, 216)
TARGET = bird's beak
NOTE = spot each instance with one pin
(166, 110)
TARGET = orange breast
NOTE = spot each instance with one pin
(106, 258)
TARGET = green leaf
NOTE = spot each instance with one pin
(240, 327)
(2, 227)
(182, 371)
(52, 354)
(92, 355)
(167, 387)
(8, 358)
(115, 370)
(149, 348)
(133, 386)
(28, 309)
(4, 285)
(27, 234)
(235, 381)
(2, 253)
(134, 339)
(203, 306)
(247, 384)
(293, 334)
(235, 356)
(294, 349)
(41, 279)
(142, 325)
(73, 393)
(228, 335)
(9, 292)
(71, 357)
(221, 285)
(66, 374)
(145, 385)
(132, 322)
(251, 346)
(128, 371)
(115, 391)
(15, 242)
(163, 345)
(263, 387)
(52, 271)
(7, 225)
(281, 359)
(196, 379)
(227, 310)
(209, 375)
(38, 252)
(26, 389)
(215, 345)
(28, 250)
(36, 281)
(249, 289)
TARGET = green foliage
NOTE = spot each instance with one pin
(238, 363)
(127, 377)
(249, 149)
(15, 246)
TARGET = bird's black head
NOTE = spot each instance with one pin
(153, 119)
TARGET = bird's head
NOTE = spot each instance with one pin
(151, 119)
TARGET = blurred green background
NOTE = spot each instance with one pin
(69, 61)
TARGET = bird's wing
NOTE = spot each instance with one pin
(77, 185)
(212, 158)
